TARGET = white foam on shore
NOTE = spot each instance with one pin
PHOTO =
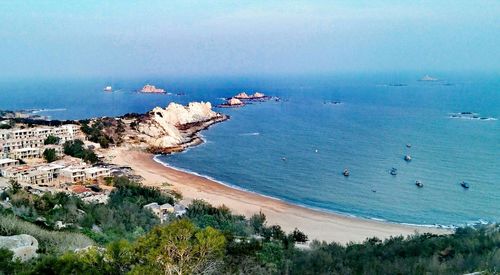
(321, 210)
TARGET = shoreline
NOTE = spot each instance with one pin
(320, 225)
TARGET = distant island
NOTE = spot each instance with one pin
(151, 89)
(241, 99)
(428, 78)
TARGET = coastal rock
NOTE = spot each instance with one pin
(173, 128)
(234, 102)
(258, 95)
(23, 246)
(242, 95)
(152, 89)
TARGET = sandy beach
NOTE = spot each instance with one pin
(317, 225)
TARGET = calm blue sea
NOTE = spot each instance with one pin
(367, 133)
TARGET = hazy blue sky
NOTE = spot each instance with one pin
(125, 38)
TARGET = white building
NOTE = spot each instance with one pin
(4, 163)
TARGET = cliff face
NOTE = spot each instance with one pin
(175, 127)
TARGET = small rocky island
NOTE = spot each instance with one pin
(151, 89)
(241, 99)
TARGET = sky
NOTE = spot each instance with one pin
(183, 38)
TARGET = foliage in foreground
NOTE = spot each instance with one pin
(212, 240)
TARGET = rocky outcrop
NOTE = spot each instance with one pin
(23, 246)
(245, 96)
(242, 95)
(152, 89)
(232, 102)
(172, 129)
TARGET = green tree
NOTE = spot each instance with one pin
(50, 155)
(180, 248)
(14, 186)
(51, 140)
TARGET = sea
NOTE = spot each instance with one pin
(295, 147)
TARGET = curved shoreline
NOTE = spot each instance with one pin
(316, 224)
(327, 211)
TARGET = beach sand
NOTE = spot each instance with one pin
(317, 225)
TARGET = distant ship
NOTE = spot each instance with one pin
(428, 78)
(108, 89)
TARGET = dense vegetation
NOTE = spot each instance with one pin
(52, 140)
(76, 148)
(213, 240)
(50, 155)
(104, 131)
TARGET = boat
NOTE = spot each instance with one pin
(419, 184)
(464, 185)
(108, 89)
(408, 145)
(407, 158)
(394, 171)
(346, 172)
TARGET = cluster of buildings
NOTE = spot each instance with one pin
(51, 173)
(28, 143)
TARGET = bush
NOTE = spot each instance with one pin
(51, 140)
(50, 155)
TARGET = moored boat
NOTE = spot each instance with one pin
(465, 185)
(419, 184)
(393, 171)
(407, 158)
(346, 172)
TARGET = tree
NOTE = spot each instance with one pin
(51, 140)
(298, 236)
(258, 222)
(50, 155)
(14, 186)
(180, 248)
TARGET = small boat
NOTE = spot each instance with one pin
(394, 171)
(408, 145)
(464, 185)
(283, 159)
(108, 89)
(346, 172)
(407, 158)
(419, 184)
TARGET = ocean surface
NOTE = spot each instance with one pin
(367, 133)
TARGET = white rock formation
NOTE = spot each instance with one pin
(24, 246)
(161, 127)
(258, 95)
(234, 102)
(242, 96)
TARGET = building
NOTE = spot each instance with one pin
(25, 153)
(161, 211)
(96, 172)
(80, 174)
(4, 163)
(72, 174)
